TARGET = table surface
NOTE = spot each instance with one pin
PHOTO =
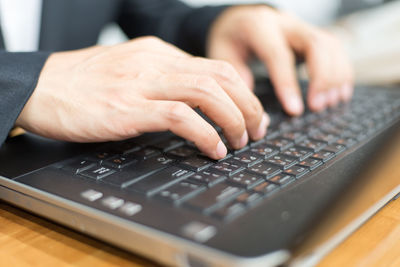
(29, 240)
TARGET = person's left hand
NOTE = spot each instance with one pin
(277, 38)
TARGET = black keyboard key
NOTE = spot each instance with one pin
(294, 136)
(265, 188)
(347, 134)
(265, 169)
(282, 161)
(182, 152)
(180, 192)
(298, 152)
(227, 167)
(120, 161)
(235, 152)
(79, 165)
(145, 153)
(332, 129)
(207, 178)
(285, 126)
(230, 211)
(97, 172)
(280, 143)
(214, 197)
(297, 171)
(247, 158)
(249, 198)
(324, 137)
(272, 133)
(159, 180)
(324, 155)
(348, 142)
(297, 121)
(196, 163)
(264, 150)
(312, 144)
(128, 147)
(100, 156)
(169, 144)
(282, 179)
(311, 163)
(245, 179)
(133, 173)
(335, 148)
(356, 129)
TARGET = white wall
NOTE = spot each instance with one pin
(319, 12)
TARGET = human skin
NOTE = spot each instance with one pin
(146, 85)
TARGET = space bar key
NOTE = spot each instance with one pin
(214, 197)
(156, 182)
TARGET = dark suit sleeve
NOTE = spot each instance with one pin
(171, 20)
(19, 74)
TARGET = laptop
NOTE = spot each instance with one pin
(156, 195)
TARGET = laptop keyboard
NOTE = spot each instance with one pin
(174, 172)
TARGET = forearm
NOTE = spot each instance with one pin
(19, 74)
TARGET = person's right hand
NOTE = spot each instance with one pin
(145, 85)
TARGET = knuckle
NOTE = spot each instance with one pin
(316, 38)
(205, 83)
(235, 124)
(207, 134)
(124, 130)
(150, 40)
(225, 69)
(254, 110)
(177, 112)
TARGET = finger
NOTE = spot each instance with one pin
(183, 121)
(280, 62)
(235, 54)
(347, 91)
(230, 81)
(327, 65)
(347, 87)
(330, 75)
(203, 92)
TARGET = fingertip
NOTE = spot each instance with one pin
(317, 102)
(332, 97)
(262, 128)
(220, 151)
(347, 92)
(294, 105)
(244, 140)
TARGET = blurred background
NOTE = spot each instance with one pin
(369, 29)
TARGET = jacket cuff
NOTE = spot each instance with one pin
(195, 29)
(19, 74)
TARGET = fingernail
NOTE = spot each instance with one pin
(244, 139)
(262, 129)
(333, 97)
(347, 92)
(296, 105)
(221, 150)
(319, 101)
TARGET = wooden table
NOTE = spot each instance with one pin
(28, 240)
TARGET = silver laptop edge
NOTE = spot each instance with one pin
(154, 244)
